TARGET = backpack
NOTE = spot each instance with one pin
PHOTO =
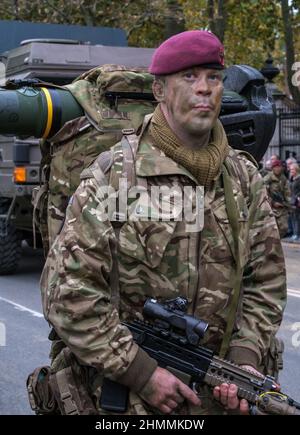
(115, 100)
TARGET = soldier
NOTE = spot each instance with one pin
(274, 158)
(279, 194)
(236, 256)
(295, 200)
(264, 168)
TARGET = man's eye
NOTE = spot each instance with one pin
(215, 77)
(189, 75)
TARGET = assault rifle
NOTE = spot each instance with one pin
(172, 339)
(278, 197)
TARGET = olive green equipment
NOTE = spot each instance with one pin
(36, 110)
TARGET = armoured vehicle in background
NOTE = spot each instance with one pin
(247, 115)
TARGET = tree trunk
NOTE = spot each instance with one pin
(217, 23)
(87, 15)
(16, 7)
(211, 15)
(289, 49)
(221, 20)
(174, 20)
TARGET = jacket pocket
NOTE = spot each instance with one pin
(227, 233)
(146, 241)
(148, 229)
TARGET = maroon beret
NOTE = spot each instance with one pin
(277, 163)
(188, 49)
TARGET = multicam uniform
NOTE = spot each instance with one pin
(162, 259)
(279, 185)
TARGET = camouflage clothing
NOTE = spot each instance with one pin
(163, 259)
(280, 197)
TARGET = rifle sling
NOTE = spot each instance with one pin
(232, 212)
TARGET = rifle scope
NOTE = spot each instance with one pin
(175, 318)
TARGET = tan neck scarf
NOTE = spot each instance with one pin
(205, 163)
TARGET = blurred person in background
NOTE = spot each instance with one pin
(290, 161)
(265, 168)
(274, 158)
(295, 200)
(279, 195)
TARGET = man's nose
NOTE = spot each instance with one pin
(202, 86)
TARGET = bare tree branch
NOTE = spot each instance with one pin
(146, 17)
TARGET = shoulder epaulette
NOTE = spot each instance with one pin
(248, 156)
(99, 167)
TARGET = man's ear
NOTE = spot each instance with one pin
(158, 88)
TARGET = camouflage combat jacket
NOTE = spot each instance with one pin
(162, 259)
(278, 185)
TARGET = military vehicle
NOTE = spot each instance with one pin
(247, 115)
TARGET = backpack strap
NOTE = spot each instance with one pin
(38, 199)
(120, 161)
(123, 167)
(129, 143)
(124, 154)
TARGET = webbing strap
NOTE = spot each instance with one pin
(129, 148)
(130, 144)
(124, 163)
(125, 170)
(233, 217)
(37, 193)
(114, 274)
(69, 404)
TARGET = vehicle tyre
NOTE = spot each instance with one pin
(10, 243)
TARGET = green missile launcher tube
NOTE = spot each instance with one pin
(36, 111)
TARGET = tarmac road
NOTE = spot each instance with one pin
(290, 328)
(25, 331)
(27, 345)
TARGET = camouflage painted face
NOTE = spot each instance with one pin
(192, 101)
(164, 260)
